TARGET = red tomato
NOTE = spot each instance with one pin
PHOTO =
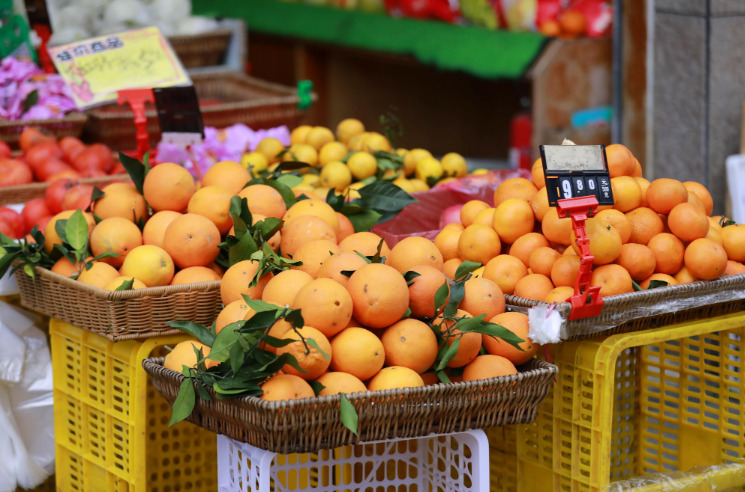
(39, 154)
(43, 221)
(14, 172)
(56, 191)
(68, 174)
(4, 150)
(7, 229)
(71, 147)
(31, 136)
(50, 168)
(87, 160)
(34, 210)
(15, 222)
(79, 196)
(105, 154)
(118, 169)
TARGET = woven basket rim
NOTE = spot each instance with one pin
(220, 31)
(72, 116)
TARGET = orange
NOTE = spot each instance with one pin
(684, 276)
(183, 354)
(470, 210)
(235, 283)
(524, 246)
(271, 148)
(64, 267)
(479, 243)
(265, 200)
(447, 242)
(358, 352)
(340, 262)
(395, 377)
(325, 305)
(542, 260)
(195, 274)
(664, 193)
(518, 324)
(455, 226)
(485, 217)
(150, 264)
(619, 221)
(121, 200)
(605, 242)
(695, 200)
(168, 186)
(312, 255)
(422, 291)
(451, 266)
(430, 378)
(302, 230)
(482, 296)
(638, 171)
(410, 343)
(539, 204)
(379, 294)
(668, 252)
(613, 280)
(533, 286)
(286, 387)
(620, 160)
(413, 251)
(702, 193)
(733, 241)
(155, 227)
(638, 259)
(645, 223)
(348, 128)
(50, 232)
(519, 188)
(312, 362)
(227, 174)
(340, 382)
(319, 208)
(559, 294)
(513, 218)
(505, 271)
(627, 195)
(192, 240)
(664, 277)
(564, 270)
(346, 228)
(705, 259)
(98, 275)
(688, 222)
(365, 243)
(734, 268)
(282, 288)
(116, 235)
(643, 185)
(537, 174)
(213, 202)
(118, 281)
(487, 367)
(470, 342)
(557, 230)
(235, 311)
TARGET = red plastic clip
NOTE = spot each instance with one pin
(44, 34)
(586, 301)
(137, 99)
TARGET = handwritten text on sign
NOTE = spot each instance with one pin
(95, 69)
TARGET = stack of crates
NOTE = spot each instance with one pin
(649, 402)
(111, 426)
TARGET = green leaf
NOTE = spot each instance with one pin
(31, 100)
(348, 414)
(242, 249)
(28, 270)
(449, 354)
(59, 228)
(407, 314)
(457, 292)
(292, 166)
(443, 377)
(135, 169)
(228, 338)
(657, 283)
(236, 357)
(349, 154)
(725, 222)
(365, 220)
(469, 324)
(290, 180)
(312, 343)
(348, 273)
(259, 305)
(269, 227)
(335, 201)
(636, 286)
(287, 195)
(465, 268)
(76, 231)
(441, 296)
(184, 403)
(200, 332)
(383, 196)
(410, 275)
(295, 318)
(126, 285)
(317, 387)
(499, 331)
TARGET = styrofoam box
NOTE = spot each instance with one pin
(444, 463)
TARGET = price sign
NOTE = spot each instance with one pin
(575, 171)
(38, 14)
(179, 115)
(97, 68)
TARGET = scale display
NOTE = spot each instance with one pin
(575, 171)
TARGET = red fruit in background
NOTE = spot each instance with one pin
(88, 160)
(31, 136)
(67, 174)
(14, 172)
(71, 147)
(79, 196)
(50, 168)
(39, 154)
(105, 154)
(56, 191)
(93, 173)
(118, 169)
(4, 150)
(14, 221)
(34, 210)
(7, 229)
(44, 221)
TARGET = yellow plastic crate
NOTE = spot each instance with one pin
(639, 403)
(111, 426)
(502, 458)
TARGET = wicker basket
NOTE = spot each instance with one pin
(202, 50)
(650, 308)
(238, 99)
(315, 423)
(24, 193)
(122, 315)
(69, 126)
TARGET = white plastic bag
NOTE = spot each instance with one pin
(26, 402)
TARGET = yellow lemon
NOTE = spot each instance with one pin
(419, 184)
(412, 157)
(255, 162)
(405, 185)
(428, 167)
(454, 165)
(271, 148)
(302, 153)
(318, 136)
(363, 165)
(332, 151)
(299, 134)
(336, 175)
(376, 141)
(348, 128)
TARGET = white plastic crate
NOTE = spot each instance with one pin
(439, 463)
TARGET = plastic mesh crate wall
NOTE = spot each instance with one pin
(111, 426)
(438, 464)
(638, 403)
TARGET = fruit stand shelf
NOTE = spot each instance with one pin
(474, 50)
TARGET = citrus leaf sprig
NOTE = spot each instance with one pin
(29, 254)
(378, 202)
(248, 237)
